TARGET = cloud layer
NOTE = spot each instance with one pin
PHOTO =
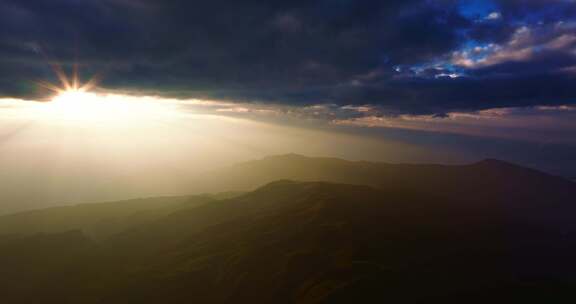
(407, 56)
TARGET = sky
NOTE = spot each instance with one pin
(221, 81)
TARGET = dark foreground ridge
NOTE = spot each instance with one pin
(486, 232)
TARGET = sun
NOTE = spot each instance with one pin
(78, 105)
(84, 104)
(84, 107)
(74, 98)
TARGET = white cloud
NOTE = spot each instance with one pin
(493, 16)
(524, 45)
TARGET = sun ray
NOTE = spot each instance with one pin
(49, 86)
(59, 71)
(75, 77)
(91, 83)
(68, 83)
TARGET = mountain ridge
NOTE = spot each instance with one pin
(488, 178)
(473, 233)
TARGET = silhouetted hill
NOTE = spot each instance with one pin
(299, 242)
(45, 268)
(489, 232)
(487, 175)
(99, 220)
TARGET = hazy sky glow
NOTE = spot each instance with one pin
(167, 89)
(146, 146)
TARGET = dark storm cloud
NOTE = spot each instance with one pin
(295, 52)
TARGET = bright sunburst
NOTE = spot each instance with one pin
(78, 102)
(88, 107)
(78, 105)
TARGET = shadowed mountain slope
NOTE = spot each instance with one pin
(291, 242)
(487, 232)
(100, 220)
(250, 175)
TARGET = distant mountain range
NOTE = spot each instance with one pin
(315, 230)
(253, 174)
